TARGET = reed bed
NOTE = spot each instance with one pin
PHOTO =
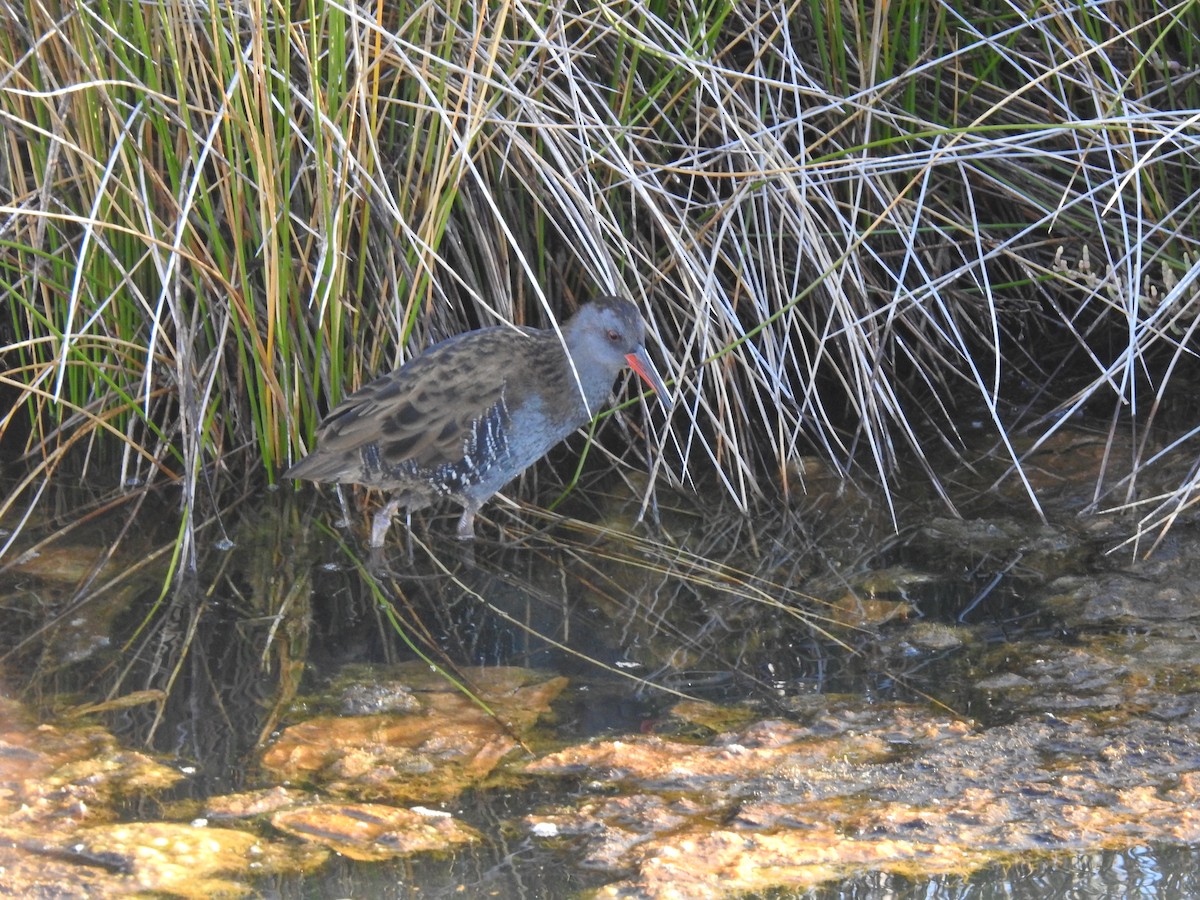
(852, 228)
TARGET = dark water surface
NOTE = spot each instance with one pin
(1023, 634)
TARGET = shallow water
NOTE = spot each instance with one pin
(951, 661)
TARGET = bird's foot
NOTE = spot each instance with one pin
(466, 525)
(346, 520)
(382, 522)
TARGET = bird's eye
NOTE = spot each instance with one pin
(614, 335)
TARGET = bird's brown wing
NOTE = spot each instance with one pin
(422, 420)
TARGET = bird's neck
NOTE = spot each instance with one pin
(595, 378)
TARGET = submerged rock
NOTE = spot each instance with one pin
(778, 806)
(372, 831)
(448, 743)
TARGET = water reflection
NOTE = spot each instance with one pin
(991, 620)
(1144, 872)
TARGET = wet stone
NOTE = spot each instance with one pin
(1040, 551)
(935, 637)
(1117, 599)
(1005, 681)
(373, 831)
(811, 804)
(437, 751)
(1102, 672)
(711, 715)
(59, 791)
(360, 699)
(183, 860)
(249, 804)
(65, 776)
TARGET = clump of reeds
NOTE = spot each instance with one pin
(850, 226)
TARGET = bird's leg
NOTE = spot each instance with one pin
(345, 520)
(466, 525)
(383, 521)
